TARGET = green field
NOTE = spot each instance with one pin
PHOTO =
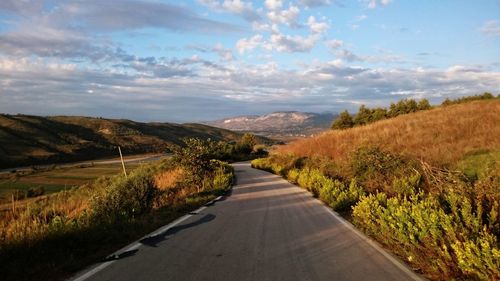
(56, 179)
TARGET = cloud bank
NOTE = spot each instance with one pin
(68, 57)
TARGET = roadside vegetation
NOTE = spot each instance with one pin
(18, 188)
(56, 235)
(425, 185)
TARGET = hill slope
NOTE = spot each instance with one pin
(440, 136)
(283, 123)
(26, 140)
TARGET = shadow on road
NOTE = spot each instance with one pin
(153, 241)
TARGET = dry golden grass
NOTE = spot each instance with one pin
(31, 221)
(72, 224)
(169, 179)
(440, 136)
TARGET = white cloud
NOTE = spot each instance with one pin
(209, 90)
(348, 55)
(288, 16)
(25, 7)
(78, 29)
(238, 7)
(279, 41)
(52, 41)
(260, 26)
(317, 27)
(384, 57)
(334, 44)
(273, 4)
(36, 75)
(108, 16)
(463, 69)
(244, 45)
(315, 3)
(491, 27)
(372, 4)
(225, 54)
(292, 43)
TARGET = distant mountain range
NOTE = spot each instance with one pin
(278, 124)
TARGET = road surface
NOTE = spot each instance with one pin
(267, 229)
(126, 159)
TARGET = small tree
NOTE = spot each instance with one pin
(424, 104)
(487, 96)
(195, 157)
(393, 110)
(403, 106)
(446, 102)
(379, 114)
(246, 143)
(344, 121)
(411, 106)
(363, 117)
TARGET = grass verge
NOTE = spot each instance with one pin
(443, 223)
(55, 236)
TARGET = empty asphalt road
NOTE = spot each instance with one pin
(267, 229)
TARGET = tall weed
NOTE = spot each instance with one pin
(446, 244)
(437, 220)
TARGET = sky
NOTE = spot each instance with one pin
(187, 61)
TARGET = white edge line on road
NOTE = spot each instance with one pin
(135, 245)
(374, 245)
(399, 264)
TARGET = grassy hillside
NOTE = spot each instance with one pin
(440, 136)
(425, 185)
(54, 236)
(27, 140)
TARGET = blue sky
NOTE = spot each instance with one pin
(183, 61)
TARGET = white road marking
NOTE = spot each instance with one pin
(368, 240)
(136, 245)
(374, 245)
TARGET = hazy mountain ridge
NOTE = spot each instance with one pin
(287, 123)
